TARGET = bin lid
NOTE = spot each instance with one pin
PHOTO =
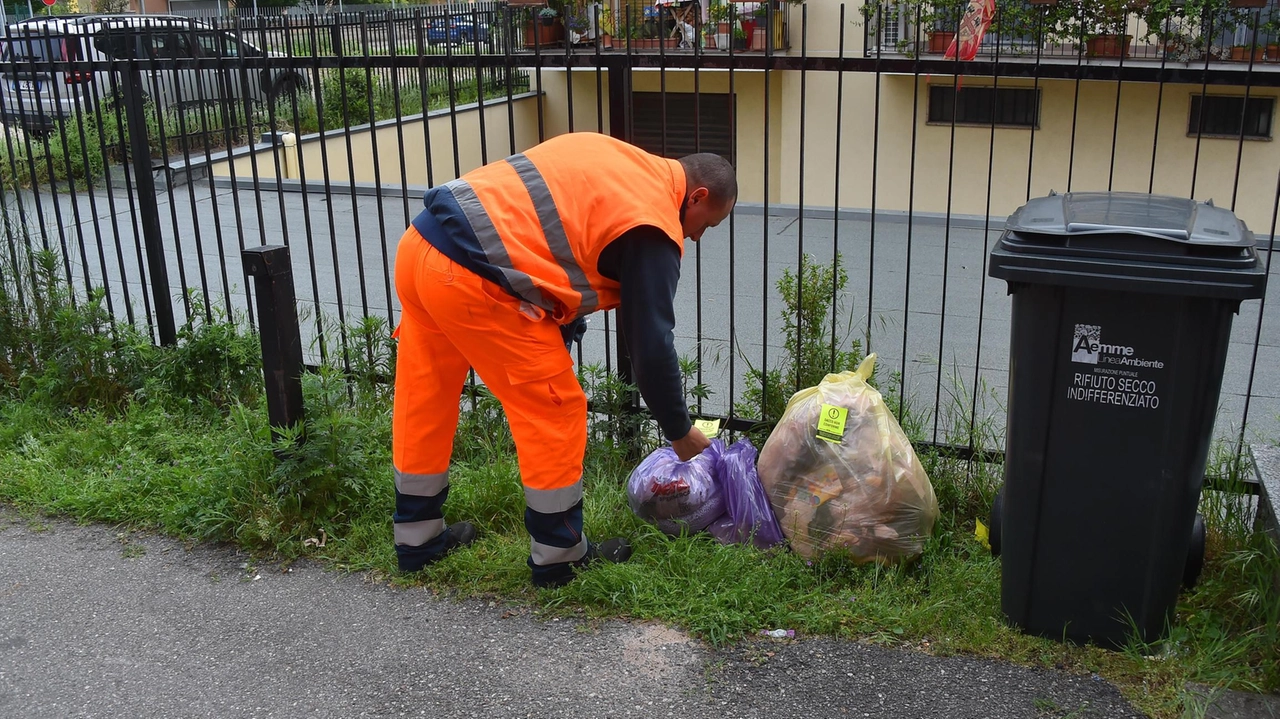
(1175, 219)
(1130, 241)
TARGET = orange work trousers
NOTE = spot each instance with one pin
(453, 320)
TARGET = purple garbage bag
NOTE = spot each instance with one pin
(674, 495)
(748, 511)
(724, 529)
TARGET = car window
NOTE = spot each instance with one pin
(117, 43)
(38, 49)
(168, 45)
(216, 44)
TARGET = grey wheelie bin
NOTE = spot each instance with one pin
(1122, 307)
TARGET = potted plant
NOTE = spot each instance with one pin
(941, 18)
(545, 28)
(1271, 30)
(607, 29)
(721, 17)
(1168, 27)
(739, 39)
(1247, 52)
(576, 24)
(1100, 25)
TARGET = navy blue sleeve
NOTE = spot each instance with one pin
(646, 263)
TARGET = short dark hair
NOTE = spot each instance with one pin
(709, 170)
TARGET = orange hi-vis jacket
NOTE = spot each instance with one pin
(536, 222)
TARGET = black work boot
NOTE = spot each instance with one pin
(613, 551)
(458, 534)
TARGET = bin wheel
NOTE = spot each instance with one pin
(1195, 554)
(993, 523)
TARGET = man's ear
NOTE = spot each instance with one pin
(699, 195)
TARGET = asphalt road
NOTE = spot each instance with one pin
(98, 624)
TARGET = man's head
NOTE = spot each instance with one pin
(710, 192)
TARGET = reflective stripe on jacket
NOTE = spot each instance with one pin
(536, 222)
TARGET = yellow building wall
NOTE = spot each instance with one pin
(1054, 165)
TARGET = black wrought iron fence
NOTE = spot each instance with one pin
(149, 155)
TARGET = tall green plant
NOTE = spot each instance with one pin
(812, 346)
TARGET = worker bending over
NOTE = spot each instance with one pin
(501, 266)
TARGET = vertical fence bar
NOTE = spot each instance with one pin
(946, 231)
(509, 70)
(835, 197)
(697, 148)
(1204, 91)
(79, 101)
(396, 101)
(158, 97)
(1031, 149)
(336, 41)
(537, 70)
(247, 99)
(1075, 110)
(424, 89)
(619, 127)
(185, 133)
(45, 38)
(228, 111)
(120, 110)
(875, 173)
(73, 196)
(911, 207)
(1155, 139)
(764, 263)
(481, 89)
(1244, 109)
(452, 89)
(344, 95)
(804, 55)
(204, 132)
(149, 211)
(1115, 127)
(733, 159)
(308, 229)
(986, 239)
(377, 172)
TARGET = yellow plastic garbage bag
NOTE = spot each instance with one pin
(840, 472)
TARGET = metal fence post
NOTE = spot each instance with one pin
(148, 203)
(278, 329)
(619, 112)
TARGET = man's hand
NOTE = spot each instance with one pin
(691, 445)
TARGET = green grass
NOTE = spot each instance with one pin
(154, 444)
(212, 477)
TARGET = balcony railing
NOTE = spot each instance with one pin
(1214, 31)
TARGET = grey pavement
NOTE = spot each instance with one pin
(920, 290)
(95, 623)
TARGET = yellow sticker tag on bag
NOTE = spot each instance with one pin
(709, 427)
(831, 421)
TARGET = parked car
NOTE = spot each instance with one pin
(35, 95)
(456, 30)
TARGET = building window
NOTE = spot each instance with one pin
(1010, 106)
(704, 127)
(1226, 115)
